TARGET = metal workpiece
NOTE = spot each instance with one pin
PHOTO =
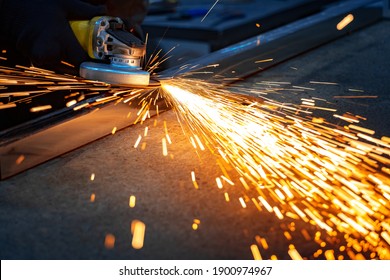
(58, 135)
(265, 50)
(229, 22)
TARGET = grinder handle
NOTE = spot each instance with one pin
(83, 30)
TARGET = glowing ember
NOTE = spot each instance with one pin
(138, 141)
(7, 106)
(40, 108)
(193, 178)
(67, 63)
(164, 147)
(255, 252)
(294, 253)
(345, 21)
(138, 231)
(264, 243)
(132, 201)
(264, 60)
(109, 241)
(71, 103)
(329, 254)
(195, 224)
(20, 159)
(242, 202)
(219, 182)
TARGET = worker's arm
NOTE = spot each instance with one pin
(39, 29)
(132, 12)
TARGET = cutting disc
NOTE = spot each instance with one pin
(114, 74)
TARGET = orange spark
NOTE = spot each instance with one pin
(255, 252)
(345, 21)
(132, 201)
(20, 159)
(109, 241)
(138, 231)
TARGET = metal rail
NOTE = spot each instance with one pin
(33, 148)
(273, 47)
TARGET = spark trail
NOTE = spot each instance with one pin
(208, 12)
(38, 90)
(294, 165)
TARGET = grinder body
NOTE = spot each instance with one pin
(119, 53)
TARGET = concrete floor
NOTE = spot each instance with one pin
(46, 212)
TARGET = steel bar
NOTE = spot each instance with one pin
(27, 150)
(241, 60)
(220, 30)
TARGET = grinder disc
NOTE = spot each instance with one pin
(114, 74)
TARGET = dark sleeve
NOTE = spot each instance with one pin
(134, 11)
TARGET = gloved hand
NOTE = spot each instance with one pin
(40, 30)
(132, 12)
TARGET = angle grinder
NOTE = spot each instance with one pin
(119, 52)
